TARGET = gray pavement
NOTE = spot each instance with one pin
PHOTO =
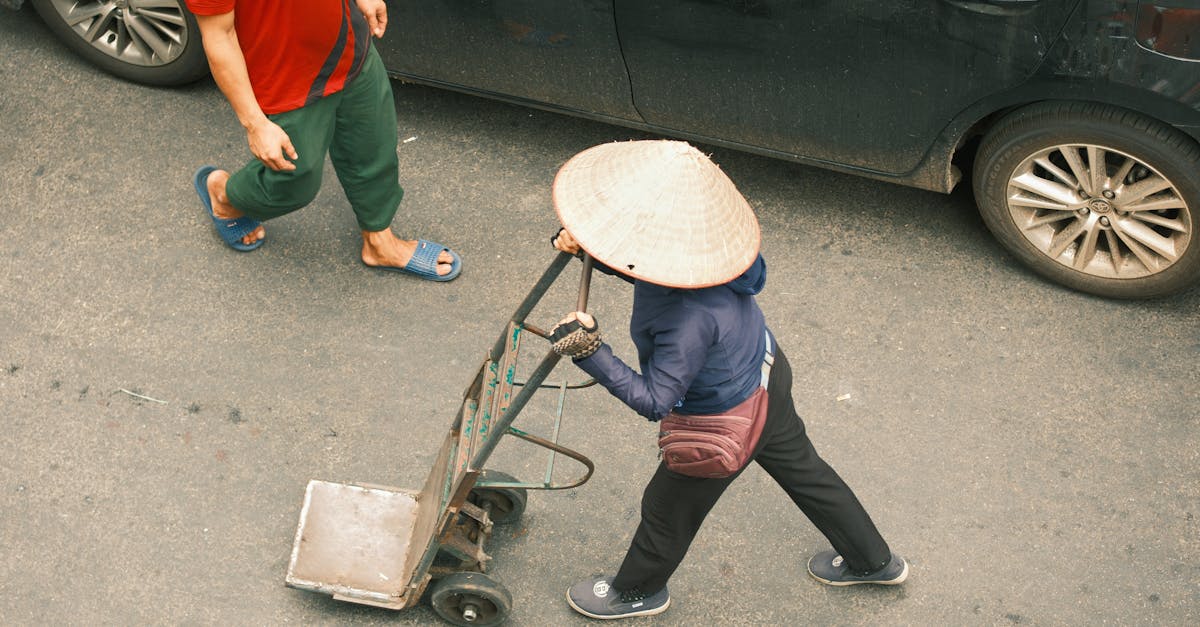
(1032, 451)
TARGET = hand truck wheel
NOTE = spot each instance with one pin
(504, 505)
(471, 599)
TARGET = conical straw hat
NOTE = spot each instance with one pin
(659, 211)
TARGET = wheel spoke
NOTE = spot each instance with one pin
(1142, 189)
(147, 36)
(1057, 172)
(1057, 192)
(1145, 256)
(142, 5)
(77, 15)
(1114, 250)
(1087, 248)
(99, 27)
(1135, 230)
(164, 21)
(1077, 167)
(1036, 202)
(1049, 218)
(1119, 177)
(1064, 238)
(1098, 167)
(124, 37)
(1174, 224)
(1156, 203)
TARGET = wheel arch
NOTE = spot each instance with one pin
(939, 172)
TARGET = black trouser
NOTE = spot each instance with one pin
(674, 505)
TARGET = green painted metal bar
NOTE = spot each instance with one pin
(548, 362)
(531, 300)
(539, 374)
(558, 414)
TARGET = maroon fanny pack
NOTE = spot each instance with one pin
(713, 445)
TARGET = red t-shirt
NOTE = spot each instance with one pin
(296, 50)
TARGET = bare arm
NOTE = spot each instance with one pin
(269, 143)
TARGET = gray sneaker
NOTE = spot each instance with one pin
(596, 598)
(828, 567)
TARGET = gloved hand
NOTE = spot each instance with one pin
(577, 336)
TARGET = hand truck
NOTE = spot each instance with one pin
(383, 546)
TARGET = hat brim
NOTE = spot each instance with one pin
(657, 211)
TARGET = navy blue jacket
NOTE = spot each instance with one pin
(700, 350)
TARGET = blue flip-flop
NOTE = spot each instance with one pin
(232, 231)
(424, 262)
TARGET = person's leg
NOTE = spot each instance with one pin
(262, 193)
(363, 152)
(673, 508)
(222, 207)
(789, 457)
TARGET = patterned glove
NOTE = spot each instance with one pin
(574, 339)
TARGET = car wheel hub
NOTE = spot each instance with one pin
(1099, 211)
(141, 32)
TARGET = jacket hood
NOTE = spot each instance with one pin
(753, 280)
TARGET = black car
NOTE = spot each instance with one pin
(1081, 117)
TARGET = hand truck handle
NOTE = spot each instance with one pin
(585, 283)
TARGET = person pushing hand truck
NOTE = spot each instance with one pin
(662, 216)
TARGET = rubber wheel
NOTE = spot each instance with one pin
(506, 505)
(471, 599)
(1100, 199)
(138, 40)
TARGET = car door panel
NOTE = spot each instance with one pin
(563, 53)
(858, 83)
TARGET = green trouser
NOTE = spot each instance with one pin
(357, 128)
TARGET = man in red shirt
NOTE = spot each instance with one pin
(305, 81)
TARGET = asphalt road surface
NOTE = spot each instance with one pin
(1032, 451)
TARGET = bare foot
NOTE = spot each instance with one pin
(225, 211)
(383, 248)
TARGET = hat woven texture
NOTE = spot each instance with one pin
(659, 211)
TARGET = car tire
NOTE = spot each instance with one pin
(136, 40)
(1123, 230)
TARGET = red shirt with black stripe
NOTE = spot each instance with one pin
(296, 51)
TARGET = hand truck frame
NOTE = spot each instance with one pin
(382, 546)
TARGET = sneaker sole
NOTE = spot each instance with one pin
(888, 582)
(649, 612)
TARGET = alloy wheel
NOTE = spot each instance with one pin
(140, 32)
(1099, 211)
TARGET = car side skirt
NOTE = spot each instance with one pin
(936, 172)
